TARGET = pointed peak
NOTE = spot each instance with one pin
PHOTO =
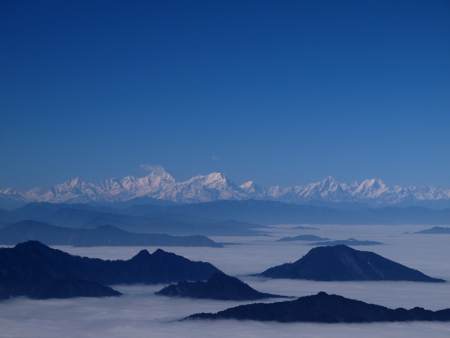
(329, 180)
(156, 170)
(74, 181)
(143, 254)
(373, 181)
(248, 183)
(371, 187)
(159, 252)
(128, 178)
(214, 179)
(251, 187)
(217, 176)
(332, 248)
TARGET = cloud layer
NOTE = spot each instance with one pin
(142, 314)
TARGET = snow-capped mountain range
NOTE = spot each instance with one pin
(159, 184)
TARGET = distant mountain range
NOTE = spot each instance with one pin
(105, 235)
(243, 217)
(147, 218)
(159, 185)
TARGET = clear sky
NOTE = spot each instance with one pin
(277, 91)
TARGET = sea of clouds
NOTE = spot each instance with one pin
(140, 313)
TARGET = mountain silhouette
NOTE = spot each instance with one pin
(342, 263)
(33, 269)
(325, 308)
(218, 286)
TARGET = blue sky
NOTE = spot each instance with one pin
(280, 92)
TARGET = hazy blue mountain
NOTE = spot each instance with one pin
(435, 230)
(348, 242)
(218, 286)
(6, 217)
(271, 212)
(101, 236)
(158, 219)
(8, 203)
(342, 263)
(258, 212)
(216, 218)
(306, 237)
(72, 215)
(325, 308)
(138, 201)
(32, 269)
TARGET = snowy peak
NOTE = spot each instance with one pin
(372, 191)
(371, 188)
(158, 173)
(253, 190)
(327, 189)
(249, 186)
(216, 179)
(157, 183)
(204, 188)
(11, 194)
(329, 182)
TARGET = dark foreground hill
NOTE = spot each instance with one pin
(100, 236)
(342, 263)
(37, 271)
(324, 308)
(218, 286)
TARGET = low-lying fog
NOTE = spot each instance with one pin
(139, 313)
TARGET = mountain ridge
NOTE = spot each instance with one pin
(35, 270)
(324, 308)
(158, 184)
(342, 263)
(105, 235)
(218, 286)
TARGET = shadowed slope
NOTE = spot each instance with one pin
(35, 270)
(218, 286)
(342, 263)
(324, 308)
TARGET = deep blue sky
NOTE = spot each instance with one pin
(278, 91)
